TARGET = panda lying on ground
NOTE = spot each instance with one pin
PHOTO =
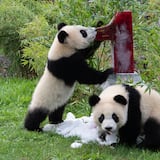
(129, 111)
(66, 64)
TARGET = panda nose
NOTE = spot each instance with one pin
(108, 128)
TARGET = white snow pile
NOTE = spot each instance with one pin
(83, 127)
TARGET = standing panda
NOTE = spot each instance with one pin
(66, 64)
(130, 112)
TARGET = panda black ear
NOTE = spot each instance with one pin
(93, 100)
(62, 36)
(120, 99)
(61, 25)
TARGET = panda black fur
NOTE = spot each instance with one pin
(66, 64)
(130, 112)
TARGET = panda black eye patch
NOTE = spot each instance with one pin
(84, 33)
(101, 118)
(115, 117)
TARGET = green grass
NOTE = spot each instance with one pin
(15, 94)
(18, 144)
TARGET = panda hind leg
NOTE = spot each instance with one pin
(152, 135)
(34, 118)
(55, 116)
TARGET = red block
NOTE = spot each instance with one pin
(119, 32)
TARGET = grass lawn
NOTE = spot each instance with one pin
(18, 144)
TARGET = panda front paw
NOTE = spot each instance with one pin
(96, 44)
(109, 71)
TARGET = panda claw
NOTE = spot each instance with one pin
(39, 130)
(109, 71)
(99, 23)
(56, 122)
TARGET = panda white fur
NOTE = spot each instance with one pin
(130, 112)
(66, 64)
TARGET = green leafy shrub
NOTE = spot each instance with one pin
(146, 42)
(37, 52)
(12, 17)
(38, 21)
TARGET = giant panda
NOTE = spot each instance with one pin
(131, 112)
(66, 64)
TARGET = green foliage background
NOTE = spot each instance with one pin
(28, 27)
